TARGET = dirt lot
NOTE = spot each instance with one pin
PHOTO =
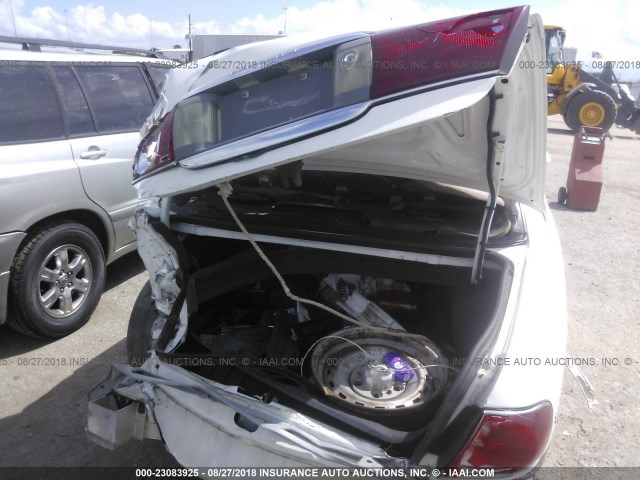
(602, 262)
(43, 385)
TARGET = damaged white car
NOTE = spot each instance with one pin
(348, 253)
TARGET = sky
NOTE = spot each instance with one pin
(609, 27)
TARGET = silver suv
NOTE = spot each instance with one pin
(68, 132)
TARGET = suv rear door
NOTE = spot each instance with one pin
(105, 106)
(36, 159)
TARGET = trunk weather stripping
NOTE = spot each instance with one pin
(495, 154)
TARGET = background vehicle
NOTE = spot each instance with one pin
(68, 130)
(343, 245)
(582, 98)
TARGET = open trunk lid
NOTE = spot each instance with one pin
(396, 103)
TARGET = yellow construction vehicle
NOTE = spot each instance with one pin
(582, 98)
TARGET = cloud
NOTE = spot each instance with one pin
(90, 23)
(94, 23)
(611, 30)
(344, 16)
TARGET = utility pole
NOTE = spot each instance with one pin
(190, 44)
(66, 20)
(13, 19)
(285, 19)
(151, 32)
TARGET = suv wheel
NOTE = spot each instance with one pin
(57, 279)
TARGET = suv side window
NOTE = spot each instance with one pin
(118, 96)
(30, 111)
(76, 110)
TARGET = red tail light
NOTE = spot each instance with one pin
(508, 441)
(445, 50)
(156, 148)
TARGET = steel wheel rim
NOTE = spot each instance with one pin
(64, 281)
(592, 114)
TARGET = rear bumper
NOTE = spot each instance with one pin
(9, 243)
(190, 414)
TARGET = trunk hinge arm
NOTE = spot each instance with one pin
(494, 177)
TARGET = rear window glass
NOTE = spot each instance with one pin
(28, 108)
(159, 76)
(118, 96)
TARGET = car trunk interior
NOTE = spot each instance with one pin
(257, 339)
(245, 331)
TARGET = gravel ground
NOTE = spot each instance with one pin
(602, 262)
(43, 405)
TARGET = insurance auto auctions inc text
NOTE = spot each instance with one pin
(371, 473)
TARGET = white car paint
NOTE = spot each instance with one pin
(540, 332)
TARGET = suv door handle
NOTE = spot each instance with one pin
(93, 152)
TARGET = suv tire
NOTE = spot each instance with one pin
(57, 279)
